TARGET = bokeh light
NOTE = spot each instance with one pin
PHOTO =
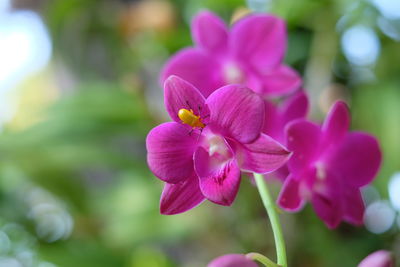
(360, 45)
(379, 217)
(370, 195)
(259, 5)
(390, 28)
(52, 221)
(389, 8)
(25, 48)
(4, 243)
(10, 262)
(394, 190)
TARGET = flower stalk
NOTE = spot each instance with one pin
(262, 259)
(274, 219)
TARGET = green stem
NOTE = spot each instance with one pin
(262, 259)
(273, 218)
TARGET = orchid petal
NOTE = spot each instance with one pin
(170, 150)
(276, 118)
(236, 112)
(290, 198)
(232, 260)
(281, 174)
(353, 205)
(280, 81)
(181, 94)
(326, 200)
(273, 122)
(259, 40)
(252, 80)
(303, 139)
(210, 32)
(327, 210)
(295, 107)
(336, 124)
(178, 198)
(357, 159)
(219, 181)
(197, 67)
(263, 155)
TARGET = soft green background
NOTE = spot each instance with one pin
(75, 189)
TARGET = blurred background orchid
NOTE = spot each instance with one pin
(80, 90)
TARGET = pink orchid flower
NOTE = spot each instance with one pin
(232, 260)
(380, 258)
(251, 53)
(201, 153)
(329, 166)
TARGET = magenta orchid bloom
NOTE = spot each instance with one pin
(251, 53)
(232, 260)
(328, 167)
(201, 153)
(380, 258)
(295, 107)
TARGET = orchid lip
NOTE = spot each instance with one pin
(320, 170)
(216, 145)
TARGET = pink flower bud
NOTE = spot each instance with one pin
(380, 258)
(232, 260)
